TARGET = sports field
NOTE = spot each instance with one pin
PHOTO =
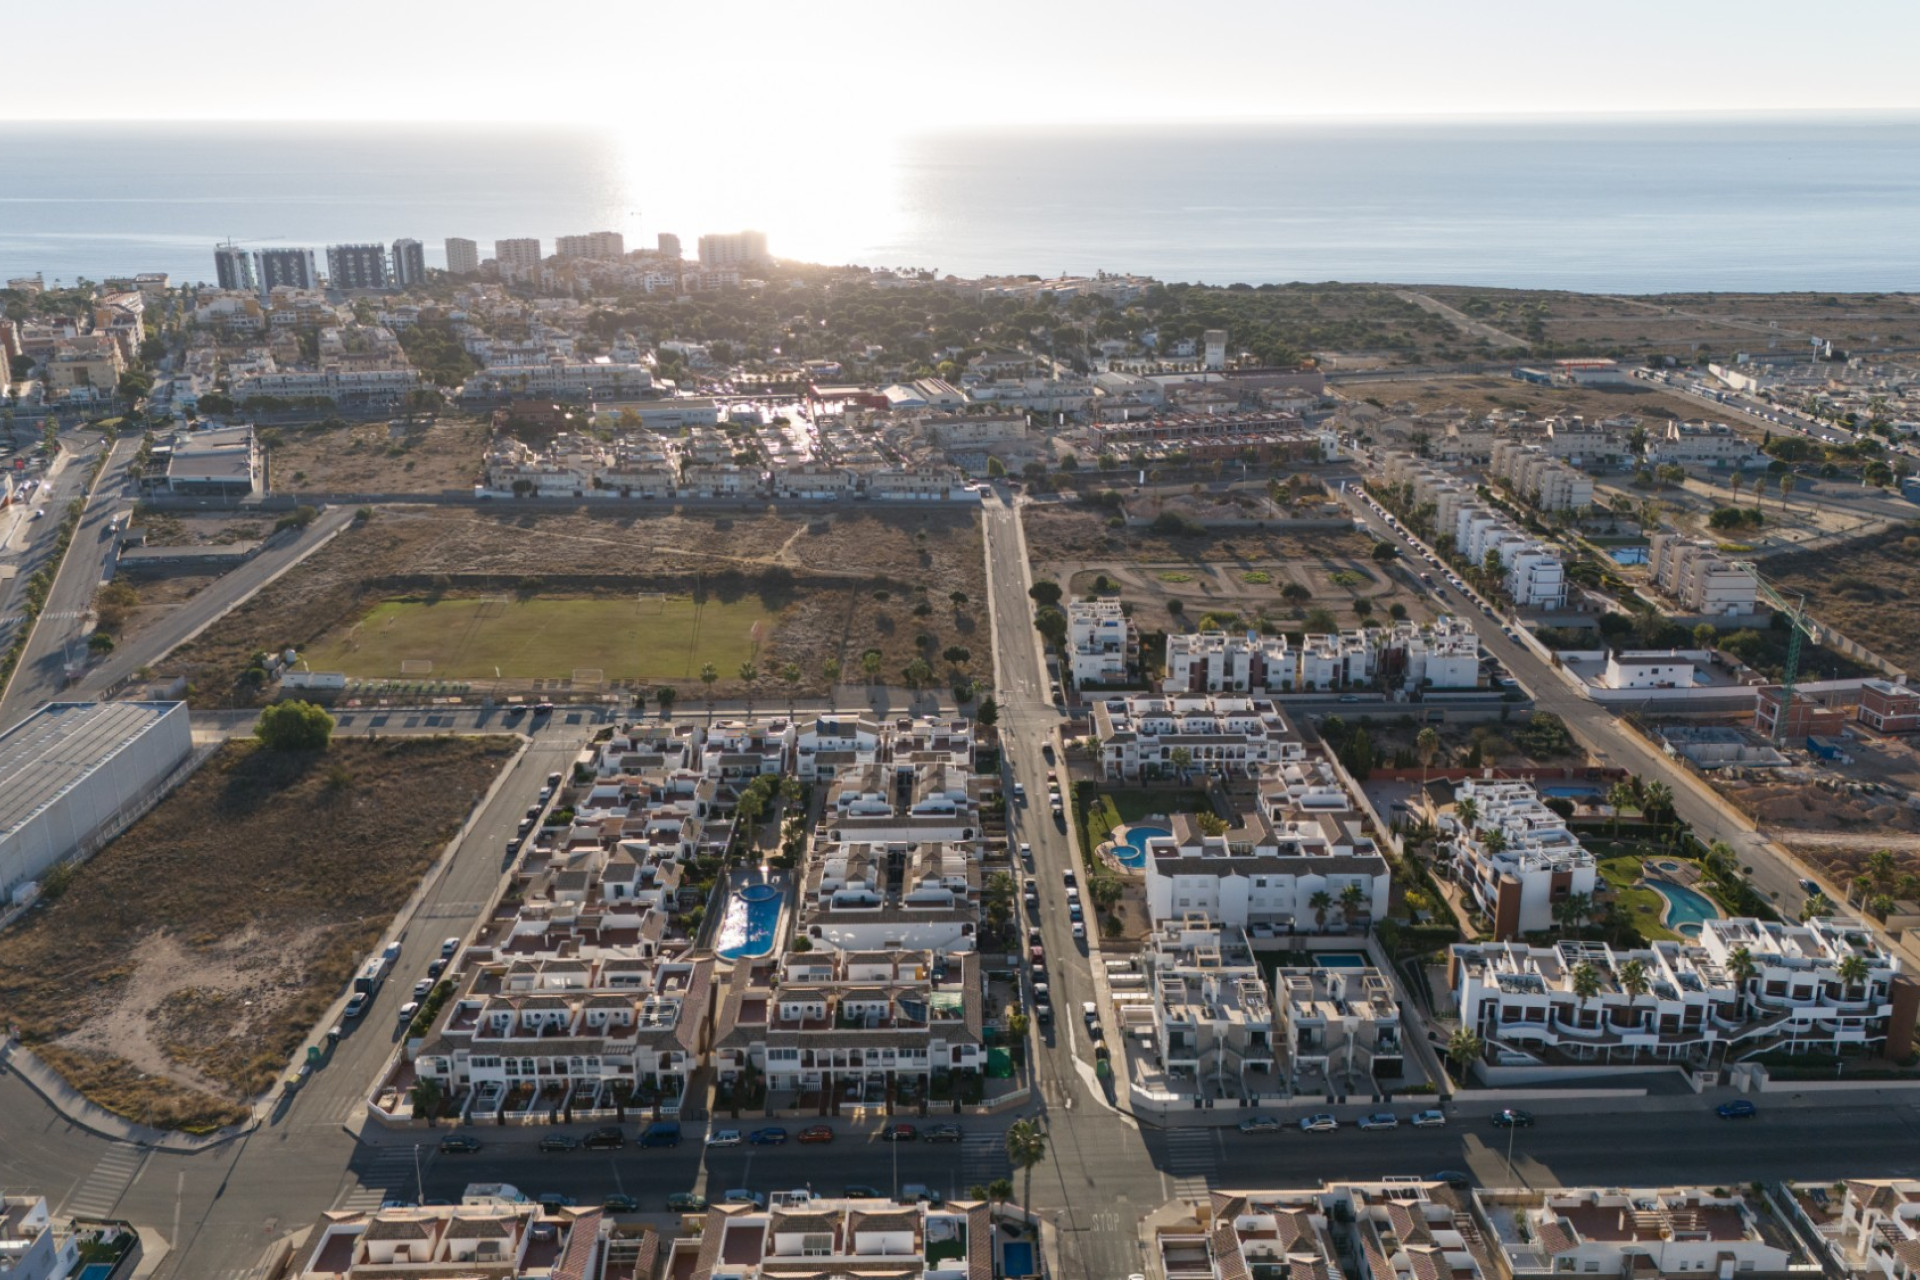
(544, 638)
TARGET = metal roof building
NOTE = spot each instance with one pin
(72, 772)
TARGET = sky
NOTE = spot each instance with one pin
(843, 70)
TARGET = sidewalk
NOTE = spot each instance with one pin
(97, 1120)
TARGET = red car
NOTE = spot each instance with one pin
(817, 1133)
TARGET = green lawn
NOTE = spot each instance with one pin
(1111, 809)
(546, 637)
(1640, 905)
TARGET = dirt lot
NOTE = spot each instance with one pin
(1869, 588)
(1235, 571)
(369, 458)
(1480, 394)
(1672, 324)
(838, 583)
(182, 967)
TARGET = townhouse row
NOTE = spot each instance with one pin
(1403, 657)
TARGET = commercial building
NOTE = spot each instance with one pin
(1515, 856)
(739, 249)
(1102, 645)
(1650, 669)
(517, 257)
(409, 263)
(603, 246)
(1700, 579)
(1686, 1002)
(32, 1245)
(293, 268)
(357, 266)
(73, 772)
(233, 268)
(222, 462)
(1890, 706)
(463, 256)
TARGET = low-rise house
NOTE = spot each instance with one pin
(1710, 444)
(1102, 645)
(1651, 1232)
(1874, 1232)
(498, 1239)
(801, 1239)
(1649, 669)
(221, 462)
(1242, 1234)
(831, 744)
(1741, 989)
(883, 804)
(1890, 706)
(813, 481)
(865, 1026)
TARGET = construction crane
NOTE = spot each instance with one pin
(1797, 625)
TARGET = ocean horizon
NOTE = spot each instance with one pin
(1631, 204)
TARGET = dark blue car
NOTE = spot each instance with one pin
(1738, 1109)
(771, 1136)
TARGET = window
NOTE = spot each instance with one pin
(817, 1245)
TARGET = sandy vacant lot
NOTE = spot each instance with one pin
(373, 458)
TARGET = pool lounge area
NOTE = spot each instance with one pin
(1129, 842)
(751, 925)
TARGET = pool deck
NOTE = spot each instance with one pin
(1156, 823)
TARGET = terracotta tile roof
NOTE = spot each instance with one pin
(583, 1247)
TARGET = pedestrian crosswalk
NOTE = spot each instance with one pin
(983, 1159)
(99, 1193)
(1192, 1156)
(389, 1175)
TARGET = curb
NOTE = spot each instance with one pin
(99, 1121)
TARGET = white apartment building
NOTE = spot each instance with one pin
(850, 1023)
(463, 256)
(490, 1235)
(862, 896)
(1533, 575)
(604, 246)
(1875, 1231)
(1340, 1028)
(517, 258)
(829, 745)
(32, 1247)
(1517, 858)
(1213, 1024)
(795, 1239)
(331, 383)
(1219, 734)
(1541, 479)
(1708, 444)
(1650, 669)
(1102, 645)
(739, 249)
(1700, 579)
(1689, 1004)
(560, 378)
(1445, 655)
(891, 804)
(1651, 1232)
(1266, 874)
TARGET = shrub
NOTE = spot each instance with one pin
(294, 726)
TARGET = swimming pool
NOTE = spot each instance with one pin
(96, 1271)
(1132, 852)
(1570, 790)
(1016, 1259)
(1340, 960)
(753, 916)
(1686, 910)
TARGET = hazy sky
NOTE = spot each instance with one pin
(852, 68)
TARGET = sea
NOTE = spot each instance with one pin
(1620, 204)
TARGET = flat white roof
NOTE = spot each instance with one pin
(57, 746)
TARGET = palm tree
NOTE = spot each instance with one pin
(1180, 758)
(1741, 964)
(1320, 902)
(1494, 839)
(427, 1096)
(870, 663)
(1852, 972)
(1880, 868)
(1817, 905)
(831, 670)
(1573, 910)
(1635, 982)
(1351, 899)
(1000, 1190)
(1734, 482)
(1464, 1048)
(708, 675)
(1467, 811)
(1656, 797)
(748, 674)
(1426, 745)
(1619, 797)
(1026, 1147)
(1786, 487)
(790, 677)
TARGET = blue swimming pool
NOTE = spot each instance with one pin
(1571, 790)
(1132, 852)
(1016, 1259)
(748, 928)
(1686, 910)
(1340, 960)
(96, 1271)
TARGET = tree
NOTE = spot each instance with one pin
(1026, 1147)
(748, 674)
(1853, 972)
(665, 695)
(1734, 482)
(1492, 565)
(831, 670)
(709, 674)
(959, 599)
(1320, 622)
(1464, 1048)
(1586, 981)
(427, 1096)
(1044, 592)
(995, 468)
(1000, 1190)
(987, 714)
(790, 676)
(1211, 824)
(870, 663)
(1704, 635)
(1384, 551)
(1051, 624)
(1743, 967)
(1321, 902)
(1880, 868)
(1467, 812)
(1426, 745)
(1494, 839)
(1181, 758)
(294, 726)
(916, 674)
(1620, 797)
(1657, 797)
(958, 655)
(1816, 906)
(1351, 900)
(1786, 486)
(1634, 980)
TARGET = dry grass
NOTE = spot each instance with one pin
(1868, 588)
(366, 458)
(820, 575)
(183, 966)
(1482, 393)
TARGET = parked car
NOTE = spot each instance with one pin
(942, 1133)
(817, 1133)
(553, 1201)
(357, 1005)
(915, 1192)
(860, 1191)
(686, 1202)
(620, 1204)
(459, 1144)
(771, 1136)
(1430, 1119)
(1512, 1118)
(437, 968)
(448, 947)
(1079, 929)
(1321, 1123)
(1260, 1124)
(740, 1195)
(724, 1138)
(1738, 1109)
(407, 1010)
(1454, 1178)
(558, 1142)
(661, 1133)
(610, 1138)
(1380, 1120)
(899, 1133)
(421, 988)
(1067, 877)
(1026, 851)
